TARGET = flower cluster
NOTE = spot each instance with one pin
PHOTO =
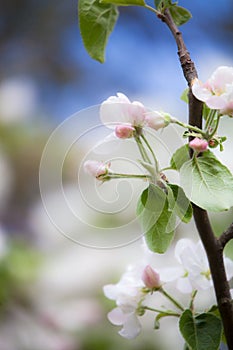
(217, 92)
(190, 273)
(127, 118)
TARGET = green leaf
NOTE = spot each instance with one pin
(180, 157)
(180, 15)
(202, 332)
(124, 2)
(184, 97)
(207, 182)
(179, 203)
(162, 5)
(157, 220)
(96, 23)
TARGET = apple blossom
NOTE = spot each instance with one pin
(192, 271)
(199, 145)
(217, 92)
(117, 110)
(95, 168)
(151, 278)
(128, 294)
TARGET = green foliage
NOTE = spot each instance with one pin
(179, 14)
(180, 156)
(207, 182)
(202, 332)
(96, 23)
(124, 2)
(156, 218)
(179, 203)
(18, 269)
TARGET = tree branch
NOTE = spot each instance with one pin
(226, 236)
(213, 246)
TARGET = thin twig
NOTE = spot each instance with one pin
(226, 236)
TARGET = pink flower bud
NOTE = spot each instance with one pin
(199, 145)
(95, 168)
(124, 131)
(157, 120)
(151, 278)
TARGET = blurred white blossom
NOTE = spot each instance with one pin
(18, 100)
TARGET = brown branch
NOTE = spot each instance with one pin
(226, 236)
(213, 246)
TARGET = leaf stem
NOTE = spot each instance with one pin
(150, 8)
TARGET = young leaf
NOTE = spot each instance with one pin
(96, 23)
(179, 203)
(202, 332)
(180, 157)
(184, 97)
(207, 182)
(124, 2)
(158, 221)
(180, 15)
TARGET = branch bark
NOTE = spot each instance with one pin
(213, 246)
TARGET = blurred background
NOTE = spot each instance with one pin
(51, 288)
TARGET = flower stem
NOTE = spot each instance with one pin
(190, 127)
(152, 152)
(210, 119)
(142, 150)
(128, 176)
(167, 313)
(169, 297)
(215, 127)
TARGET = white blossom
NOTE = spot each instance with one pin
(128, 294)
(217, 92)
(192, 270)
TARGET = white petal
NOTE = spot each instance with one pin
(200, 91)
(113, 113)
(171, 273)
(216, 102)
(111, 291)
(131, 327)
(117, 317)
(182, 245)
(221, 76)
(184, 285)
